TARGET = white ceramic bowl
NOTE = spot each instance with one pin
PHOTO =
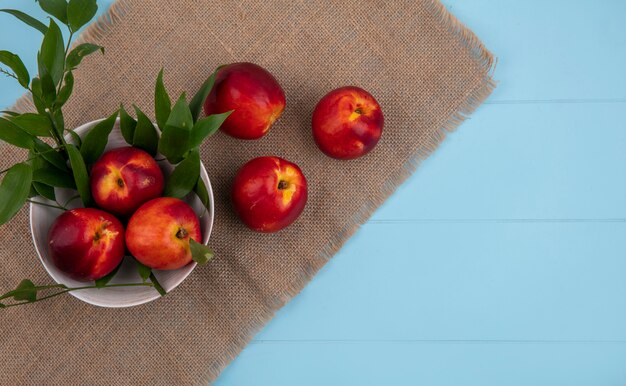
(41, 218)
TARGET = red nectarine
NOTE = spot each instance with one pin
(158, 233)
(347, 123)
(86, 243)
(124, 178)
(253, 93)
(269, 193)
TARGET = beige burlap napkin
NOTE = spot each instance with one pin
(426, 70)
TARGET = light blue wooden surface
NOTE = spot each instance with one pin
(502, 260)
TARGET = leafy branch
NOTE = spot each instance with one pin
(182, 132)
(26, 292)
(50, 89)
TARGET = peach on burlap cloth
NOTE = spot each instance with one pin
(427, 71)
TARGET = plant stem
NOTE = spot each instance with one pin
(35, 95)
(148, 284)
(11, 75)
(37, 300)
(18, 291)
(67, 49)
(55, 130)
(48, 205)
(32, 158)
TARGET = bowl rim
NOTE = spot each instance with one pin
(191, 266)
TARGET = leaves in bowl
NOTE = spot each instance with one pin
(200, 253)
(176, 134)
(206, 127)
(184, 177)
(145, 136)
(17, 66)
(103, 281)
(79, 170)
(29, 20)
(162, 102)
(198, 99)
(34, 124)
(77, 54)
(79, 12)
(127, 125)
(12, 134)
(143, 271)
(96, 139)
(14, 190)
(51, 57)
(56, 8)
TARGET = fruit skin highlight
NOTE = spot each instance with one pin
(123, 179)
(269, 193)
(253, 93)
(86, 243)
(158, 233)
(347, 123)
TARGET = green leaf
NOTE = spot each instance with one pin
(184, 177)
(79, 12)
(59, 122)
(75, 138)
(200, 253)
(38, 101)
(80, 174)
(144, 271)
(145, 136)
(66, 90)
(17, 66)
(162, 102)
(14, 190)
(11, 133)
(33, 192)
(44, 190)
(54, 177)
(36, 162)
(26, 292)
(51, 56)
(31, 21)
(103, 281)
(9, 113)
(33, 124)
(56, 8)
(77, 54)
(176, 135)
(198, 100)
(96, 140)
(48, 90)
(127, 125)
(203, 193)
(157, 285)
(51, 155)
(206, 127)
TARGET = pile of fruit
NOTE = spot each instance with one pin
(129, 206)
(268, 193)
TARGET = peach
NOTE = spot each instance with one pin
(86, 243)
(253, 93)
(124, 178)
(158, 233)
(347, 123)
(269, 193)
